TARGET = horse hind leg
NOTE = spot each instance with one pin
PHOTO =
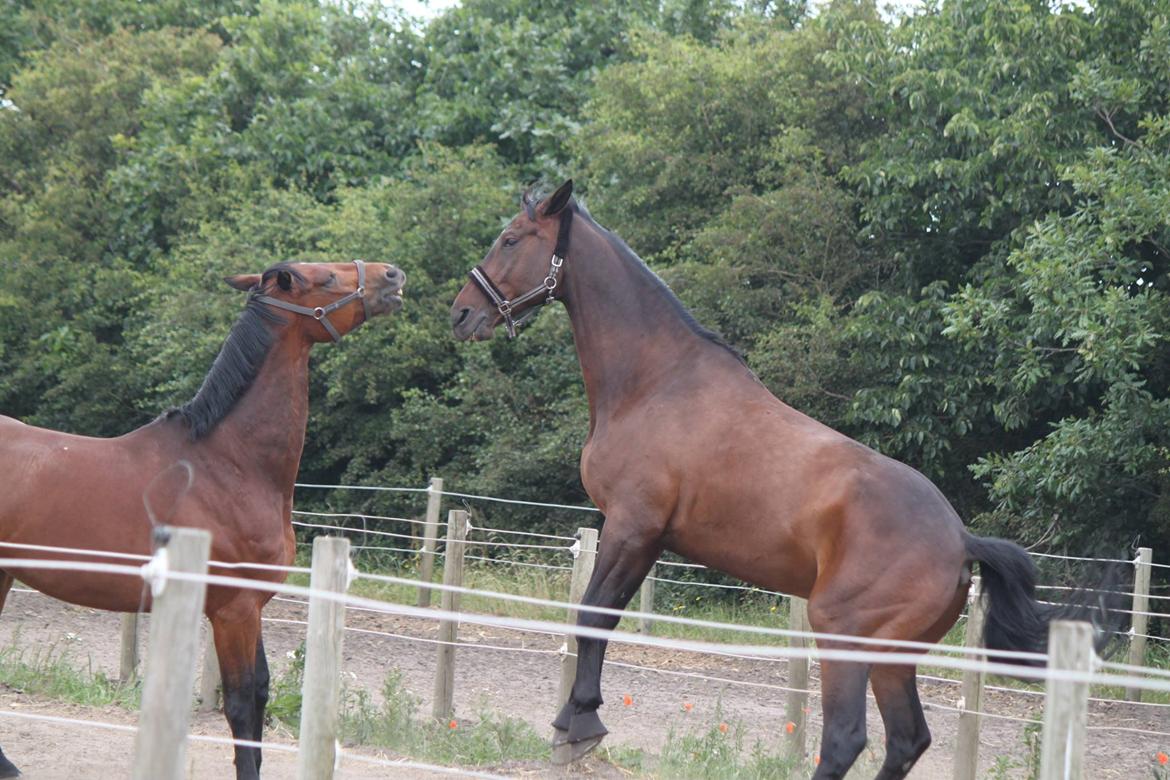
(843, 731)
(7, 768)
(907, 735)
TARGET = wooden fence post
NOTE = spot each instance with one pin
(321, 688)
(646, 602)
(582, 570)
(971, 703)
(1070, 648)
(443, 704)
(128, 667)
(209, 678)
(1140, 621)
(797, 706)
(426, 564)
(161, 743)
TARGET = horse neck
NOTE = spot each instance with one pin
(627, 328)
(265, 431)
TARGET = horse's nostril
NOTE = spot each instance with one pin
(395, 276)
(462, 316)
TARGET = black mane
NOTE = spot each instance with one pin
(624, 251)
(237, 364)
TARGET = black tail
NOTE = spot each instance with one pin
(1015, 620)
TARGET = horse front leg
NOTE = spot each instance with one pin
(238, 645)
(623, 560)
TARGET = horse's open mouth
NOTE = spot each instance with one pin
(391, 300)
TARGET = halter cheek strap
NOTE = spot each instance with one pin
(546, 288)
(321, 313)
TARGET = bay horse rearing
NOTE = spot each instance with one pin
(688, 451)
(240, 439)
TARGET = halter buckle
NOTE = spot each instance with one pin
(318, 313)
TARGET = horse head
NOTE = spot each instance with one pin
(339, 296)
(520, 272)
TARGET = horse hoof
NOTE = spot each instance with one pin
(585, 726)
(560, 737)
(8, 769)
(568, 752)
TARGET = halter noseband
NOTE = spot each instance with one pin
(546, 288)
(321, 313)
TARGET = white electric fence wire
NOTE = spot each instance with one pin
(212, 579)
(532, 534)
(450, 493)
(896, 658)
(387, 548)
(375, 488)
(140, 557)
(1079, 558)
(352, 530)
(364, 516)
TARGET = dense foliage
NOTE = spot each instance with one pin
(946, 234)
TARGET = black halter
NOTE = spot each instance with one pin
(546, 288)
(321, 313)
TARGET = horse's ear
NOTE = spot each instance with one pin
(556, 202)
(243, 282)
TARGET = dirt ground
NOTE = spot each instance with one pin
(521, 684)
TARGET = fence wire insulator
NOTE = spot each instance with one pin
(576, 549)
(563, 650)
(154, 572)
(351, 573)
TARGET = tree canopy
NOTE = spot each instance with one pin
(944, 233)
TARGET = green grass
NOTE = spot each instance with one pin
(395, 724)
(57, 673)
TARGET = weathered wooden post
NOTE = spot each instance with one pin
(1140, 621)
(128, 667)
(971, 703)
(646, 602)
(443, 704)
(426, 563)
(321, 689)
(797, 706)
(209, 677)
(161, 743)
(1070, 648)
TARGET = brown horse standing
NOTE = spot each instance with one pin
(688, 451)
(240, 437)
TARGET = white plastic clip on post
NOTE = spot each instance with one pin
(351, 573)
(154, 572)
(576, 549)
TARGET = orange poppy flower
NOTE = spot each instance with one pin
(791, 727)
(1162, 758)
(627, 700)
(453, 725)
(723, 727)
(688, 706)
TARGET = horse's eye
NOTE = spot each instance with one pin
(511, 241)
